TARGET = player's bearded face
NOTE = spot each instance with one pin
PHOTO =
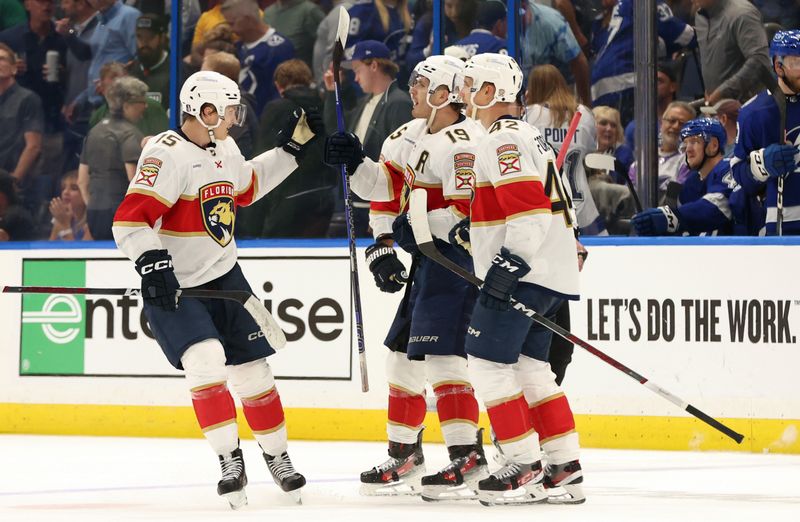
(789, 72)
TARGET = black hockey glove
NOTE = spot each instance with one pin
(404, 235)
(299, 129)
(159, 284)
(344, 149)
(389, 272)
(459, 238)
(502, 279)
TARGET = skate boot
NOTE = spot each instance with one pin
(459, 479)
(234, 479)
(513, 484)
(563, 483)
(285, 476)
(399, 475)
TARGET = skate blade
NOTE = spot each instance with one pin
(440, 493)
(296, 496)
(515, 497)
(391, 489)
(236, 499)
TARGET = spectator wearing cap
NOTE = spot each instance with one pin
(16, 223)
(246, 135)
(733, 48)
(260, 50)
(109, 157)
(154, 119)
(548, 39)
(490, 34)
(302, 205)
(23, 120)
(727, 111)
(298, 20)
(152, 57)
(380, 111)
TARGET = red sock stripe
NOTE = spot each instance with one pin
(213, 406)
(264, 413)
(406, 408)
(456, 402)
(510, 420)
(552, 418)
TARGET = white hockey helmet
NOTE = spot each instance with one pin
(440, 71)
(209, 87)
(500, 70)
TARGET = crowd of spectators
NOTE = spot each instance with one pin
(73, 131)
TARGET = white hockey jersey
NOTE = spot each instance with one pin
(584, 142)
(521, 202)
(183, 198)
(442, 163)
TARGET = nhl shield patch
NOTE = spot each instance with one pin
(148, 172)
(219, 211)
(508, 159)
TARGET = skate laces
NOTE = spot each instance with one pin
(509, 470)
(281, 466)
(232, 467)
(393, 462)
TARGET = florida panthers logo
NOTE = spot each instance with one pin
(219, 216)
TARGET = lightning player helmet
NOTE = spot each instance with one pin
(498, 69)
(441, 71)
(212, 88)
(707, 128)
(785, 43)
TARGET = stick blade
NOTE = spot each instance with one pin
(418, 215)
(272, 331)
(343, 28)
(599, 161)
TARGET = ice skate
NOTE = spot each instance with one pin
(400, 475)
(563, 483)
(234, 479)
(459, 479)
(285, 476)
(513, 484)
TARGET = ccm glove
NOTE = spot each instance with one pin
(502, 279)
(299, 129)
(159, 284)
(656, 222)
(775, 160)
(404, 235)
(344, 148)
(459, 238)
(389, 272)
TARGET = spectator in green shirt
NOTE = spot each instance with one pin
(11, 13)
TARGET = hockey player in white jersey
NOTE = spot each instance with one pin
(522, 244)
(426, 339)
(550, 107)
(177, 222)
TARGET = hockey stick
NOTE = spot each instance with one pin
(780, 100)
(573, 127)
(338, 55)
(422, 234)
(256, 309)
(599, 161)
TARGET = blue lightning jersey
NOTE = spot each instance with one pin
(259, 60)
(365, 24)
(482, 41)
(704, 206)
(612, 70)
(758, 128)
